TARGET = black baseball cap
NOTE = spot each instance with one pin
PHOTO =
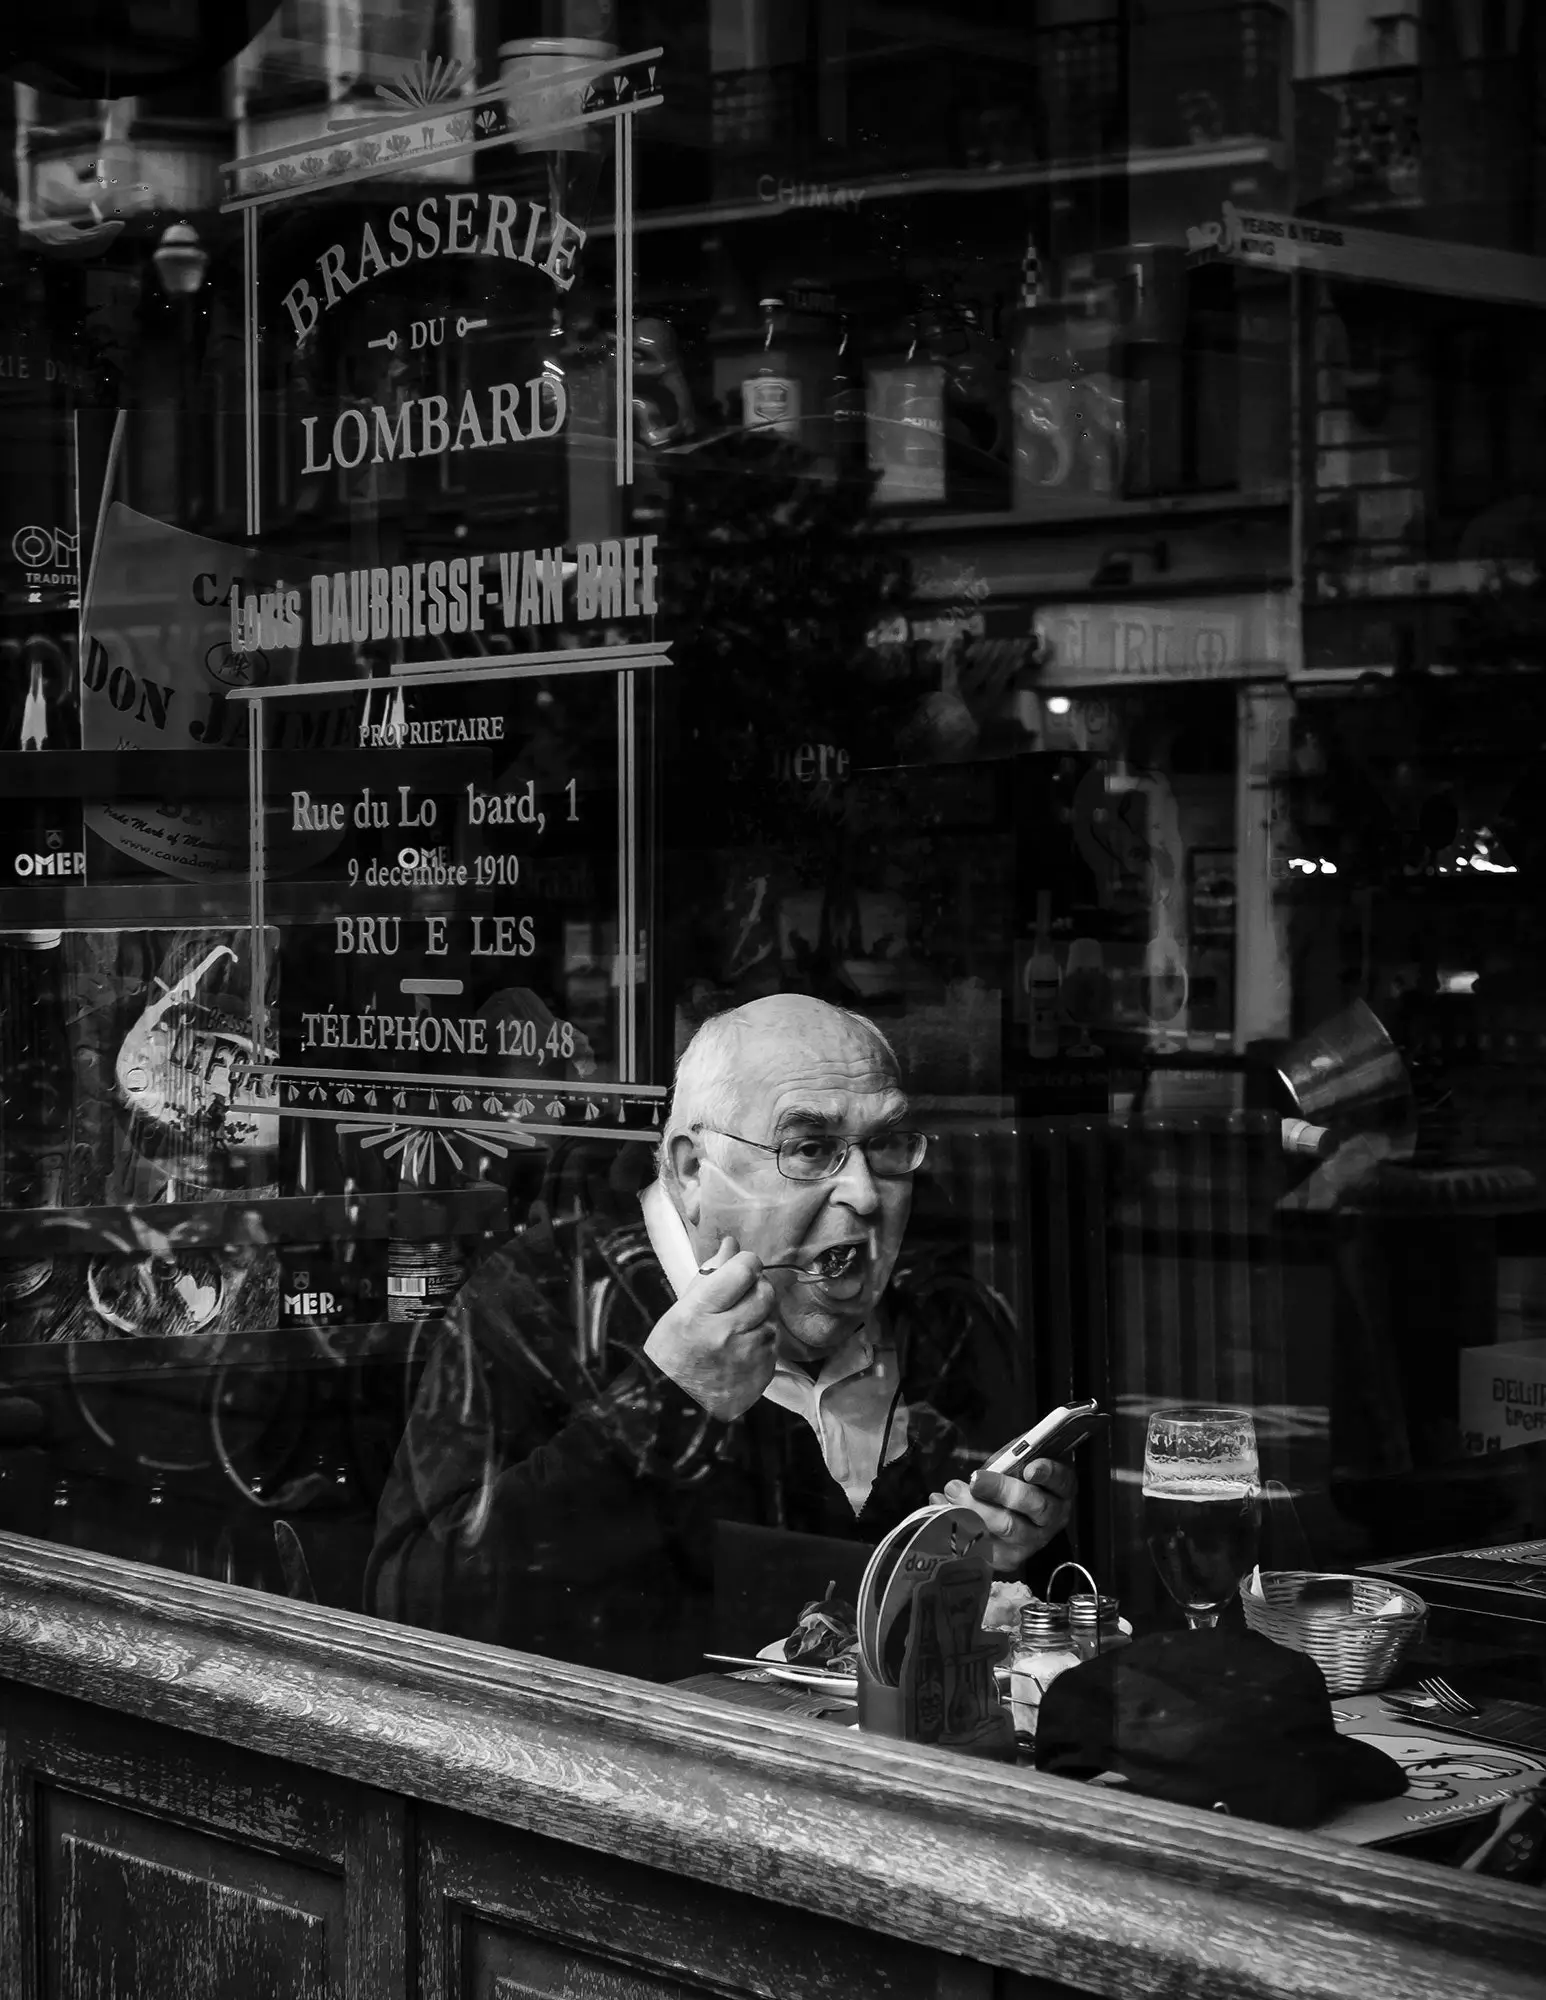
(1212, 1719)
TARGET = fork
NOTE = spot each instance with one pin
(1445, 1699)
(1431, 1698)
(804, 1273)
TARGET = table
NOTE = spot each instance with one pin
(750, 1689)
(1440, 1825)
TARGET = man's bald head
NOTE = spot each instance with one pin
(734, 1058)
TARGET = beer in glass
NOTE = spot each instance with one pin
(1201, 1505)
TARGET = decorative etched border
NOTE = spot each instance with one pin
(429, 131)
(476, 1105)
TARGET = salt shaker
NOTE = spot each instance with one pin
(1094, 1626)
(1043, 1651)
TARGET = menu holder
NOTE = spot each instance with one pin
(1506, 1580)
(925, 1663)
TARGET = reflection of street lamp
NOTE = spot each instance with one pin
(181, 261)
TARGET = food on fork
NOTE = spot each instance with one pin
(837, 1262)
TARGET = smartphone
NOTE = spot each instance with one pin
(1058, 1434)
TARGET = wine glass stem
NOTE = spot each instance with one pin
(1202, 1621)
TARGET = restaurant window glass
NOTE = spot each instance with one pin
(740, 743)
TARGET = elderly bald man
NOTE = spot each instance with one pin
(524, 1508)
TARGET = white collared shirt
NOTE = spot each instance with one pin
(848, 1405)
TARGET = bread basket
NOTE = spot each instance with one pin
(1356, 1650)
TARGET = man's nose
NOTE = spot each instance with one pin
(855, 1185)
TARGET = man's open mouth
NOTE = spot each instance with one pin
(843, 1260)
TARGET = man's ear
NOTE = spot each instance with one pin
(685, 1155)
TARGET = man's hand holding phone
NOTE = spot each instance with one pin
(1025, 1492)
(1021, 1511)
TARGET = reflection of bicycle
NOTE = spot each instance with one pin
(954, 1334)
(948, 1323)
(621, 1306)
(616, 1291)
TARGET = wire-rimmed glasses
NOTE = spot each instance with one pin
(820, 1156)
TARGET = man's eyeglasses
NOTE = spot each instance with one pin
(819, 1156)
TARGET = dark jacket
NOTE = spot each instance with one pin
(534, 1503)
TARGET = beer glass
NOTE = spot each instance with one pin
(1201, 1505)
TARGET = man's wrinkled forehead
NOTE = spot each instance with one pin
(826, 1076)
(803, 1109)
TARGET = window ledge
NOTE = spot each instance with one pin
(1001, 1866)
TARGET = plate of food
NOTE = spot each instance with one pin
(822, 1652)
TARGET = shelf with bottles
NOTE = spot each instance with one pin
(196, 1284)
(311, 1347)
(236, 1220)
(1086, 1006)
(1048, 100)
(1115, 383)
(1076, 511)
(1315, 880)
(115, 906)
(181, 1495)
(1459, 1025)
(185, 1452)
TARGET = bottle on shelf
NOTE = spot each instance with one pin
(423, 1276)
(157, 1545)
(975, 403)
(425, 1264)
(23, 1490)
(1145, 287)
(1043, 984)
(844, 439)
(244, 1552)
(905, 422)
(317, 1275)
(42, 838)
(771, 398)
(63, 1524)
(35, 1104)
(253, 1537)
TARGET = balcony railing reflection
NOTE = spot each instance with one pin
(1462, 141)
(1197, 78)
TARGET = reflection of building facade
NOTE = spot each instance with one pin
(533, 524)
(1156, 385)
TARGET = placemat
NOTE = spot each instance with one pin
(1450, 1778)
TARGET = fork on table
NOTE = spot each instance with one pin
(1436, 1694)
(1518, 1723)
